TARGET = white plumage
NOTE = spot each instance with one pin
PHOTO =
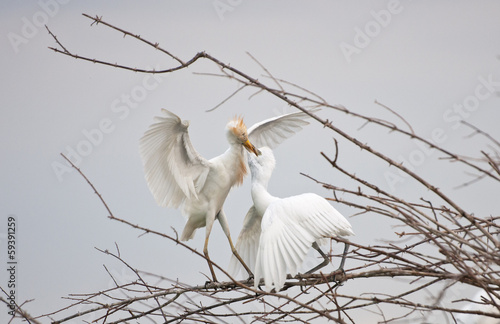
(178, 176)
(278, 233)
(478, 304)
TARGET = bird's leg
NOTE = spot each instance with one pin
(221, 216)
(341, 266)
(205, 249)
(205, 252)
(235, 252)
(322, 264)
(346, 248)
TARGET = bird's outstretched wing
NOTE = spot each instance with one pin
(289, 227)
(174, 170)
(248, 243)
(273, 131)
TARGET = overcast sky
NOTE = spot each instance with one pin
(434, 62)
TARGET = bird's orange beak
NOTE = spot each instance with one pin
(251, 148)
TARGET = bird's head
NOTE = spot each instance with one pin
(262, 166)
(237, 133)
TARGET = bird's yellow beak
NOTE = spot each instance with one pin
(249, 146)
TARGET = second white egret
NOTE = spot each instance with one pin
(278, 233)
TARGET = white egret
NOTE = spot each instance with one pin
(178, 176)
(277, 233)
(477, 304)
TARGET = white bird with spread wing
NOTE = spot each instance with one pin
(178, 176)
(278, 233)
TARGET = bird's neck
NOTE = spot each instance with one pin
(261, 197)
(234, 159)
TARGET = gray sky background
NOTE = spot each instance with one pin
(422, 59)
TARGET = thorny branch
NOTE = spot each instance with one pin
(441, 246)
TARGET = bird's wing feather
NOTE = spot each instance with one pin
(314, 214)
(247, 243)
(273, 131)
(282, 248)
(289, 227)
(174, 170)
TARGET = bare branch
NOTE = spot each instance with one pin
(437, 244)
